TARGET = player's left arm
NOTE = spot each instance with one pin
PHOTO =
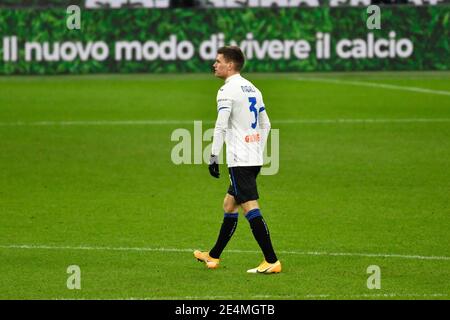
(264, 124)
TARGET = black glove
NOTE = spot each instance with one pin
(214, 166)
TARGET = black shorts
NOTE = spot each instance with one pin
(243, 183)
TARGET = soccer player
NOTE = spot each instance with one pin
(243, 124)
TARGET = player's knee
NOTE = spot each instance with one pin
(249, 206)
(229, 207)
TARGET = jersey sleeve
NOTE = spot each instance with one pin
(264, 124)
(224, 106)
(264, 121)
(224, 99)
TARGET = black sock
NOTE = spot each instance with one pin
(229, 224)
(261, 234)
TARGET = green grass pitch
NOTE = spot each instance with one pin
(364, 179)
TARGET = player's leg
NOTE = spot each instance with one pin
(262, 236)
(249, 206)
(230, 219)
(229, 224)
(229, 204)
(248, 196)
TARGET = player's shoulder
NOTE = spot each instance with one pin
(237, 86)
(249, 87)
(247, 82)
(243, 85)
(227, 89)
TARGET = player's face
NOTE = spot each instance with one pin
(221, 67)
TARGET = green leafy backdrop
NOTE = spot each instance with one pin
(427, 27)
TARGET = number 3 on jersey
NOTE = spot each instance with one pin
(252, 108)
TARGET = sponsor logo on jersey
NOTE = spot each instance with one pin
(252, 138)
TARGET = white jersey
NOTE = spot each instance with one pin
(242, 122)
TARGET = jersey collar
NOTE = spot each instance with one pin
(234, 76)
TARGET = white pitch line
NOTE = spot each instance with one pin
(305, 296)
(344, 121)
(364, 295)
(377, 85)
(191, 122)
(99, 123)
(143, 249)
